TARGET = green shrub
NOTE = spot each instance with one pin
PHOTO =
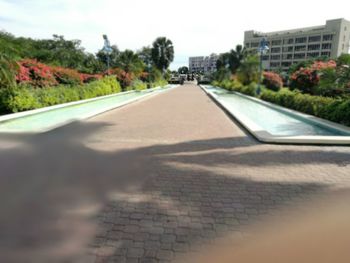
(159, 83)
(138, 85)
(272, 80)
(7, 72)
(235, 85)
(19, 98)
(327, 108)
(25, 97)
(248, 90)
(248, 71)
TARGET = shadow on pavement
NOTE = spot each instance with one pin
(155, 202)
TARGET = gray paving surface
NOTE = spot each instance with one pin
(150, 182)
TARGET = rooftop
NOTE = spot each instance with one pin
(291, 31)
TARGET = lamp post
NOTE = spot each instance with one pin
(107, 50)
(263, 48)
(149, 67)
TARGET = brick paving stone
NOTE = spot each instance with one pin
(170, 174)
(165, 254)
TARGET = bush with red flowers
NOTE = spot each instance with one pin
(272, 80)
(306, 79)
(144, 76)
(125, 78)
(90, 77)
(67, 76)
(35, 73)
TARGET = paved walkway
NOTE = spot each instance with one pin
(150, 182)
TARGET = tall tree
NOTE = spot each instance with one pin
(183, 70)
(223, 61)
(113, 57)
(130, 62)
(236, 57)
(248, 72)
(162, 53)
(145, 54)
(232, 59)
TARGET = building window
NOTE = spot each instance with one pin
(300, 40)
(276, 42)
(313, 54)
(254, 44)
(265, 57)
(327, 46)
(300, 48)
(287, 56)
(327, 37)
(288, 41)
(274, 64)
(275, 57)
(314, 47)
(299, 56)
(325, 54)
(275, 50)
(288, 49)
(286, 64)
(314, 38)
(247, 45)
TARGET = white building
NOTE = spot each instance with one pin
(293, 46)
(203, 64)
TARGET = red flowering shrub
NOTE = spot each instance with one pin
(22, 74)
(306, 79)
(67, 76)
(40, 75)
(272, 80)
(35, 73)
(90, 77)
(124, 78)
(144, 76)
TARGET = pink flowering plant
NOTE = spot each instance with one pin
(306, 79)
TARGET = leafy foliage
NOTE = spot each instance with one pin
(306, 79)
(130, 63)
(182, 70)
(56, 51)
(162, 53)
(248, 72)
(8, 70)
(24, 97)
(343, 59)
(272, 80)
(328, 108)
(232, 60)
(36, 73)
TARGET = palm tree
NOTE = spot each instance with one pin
(232, 60)
(248, 71)
(236, 56)
(162, 53)
(130, 62)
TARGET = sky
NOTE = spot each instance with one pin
(195, 27)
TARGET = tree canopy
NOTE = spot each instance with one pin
(162, 53)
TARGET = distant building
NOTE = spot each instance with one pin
(203, 64)
(293, 46)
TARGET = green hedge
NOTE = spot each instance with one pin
(23, 98)
(159, 83)
(336, 110)
(234, 85)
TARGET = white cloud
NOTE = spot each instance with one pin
(195, 27)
